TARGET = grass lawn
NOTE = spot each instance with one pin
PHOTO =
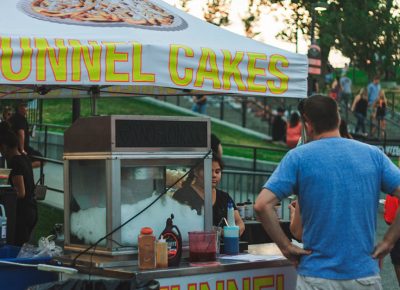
(58, 112)
(48, 217)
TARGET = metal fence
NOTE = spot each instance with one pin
(243, 185)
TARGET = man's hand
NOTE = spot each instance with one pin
(382, 249)
(293, 253)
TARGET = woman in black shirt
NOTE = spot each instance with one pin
(21, 178)
(192, 194)
(360, 107)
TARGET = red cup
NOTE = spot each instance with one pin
(202, 246)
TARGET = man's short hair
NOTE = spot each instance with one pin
(321, 111)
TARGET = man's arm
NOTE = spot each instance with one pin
(391, 236)
(21, 139)
(265, 210)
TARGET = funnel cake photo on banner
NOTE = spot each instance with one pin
(136, 13)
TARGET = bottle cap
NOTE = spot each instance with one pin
(146, 231)
(162, 240)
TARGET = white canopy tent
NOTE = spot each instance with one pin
(135, 46)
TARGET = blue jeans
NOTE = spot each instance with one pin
(199, 108)
(360, 122)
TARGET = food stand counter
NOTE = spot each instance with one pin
(229, 274)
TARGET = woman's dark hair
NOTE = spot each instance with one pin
(294, 119)
(321, 111)
(189, 179)
(218, 159)
(215, 142)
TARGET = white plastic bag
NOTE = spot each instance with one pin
(46, 248)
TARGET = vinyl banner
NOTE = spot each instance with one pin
(129, 42)
(279, 278)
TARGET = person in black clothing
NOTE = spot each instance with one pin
(21, 179)
(192, 194)
(20, 126)
(359, 108)
(279, 126)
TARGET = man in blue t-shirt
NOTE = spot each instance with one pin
(338, 182)
(373, 90)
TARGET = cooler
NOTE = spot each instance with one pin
(8, 198)
(20, 277)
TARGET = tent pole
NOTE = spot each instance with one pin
(76, 109)
(94, 94)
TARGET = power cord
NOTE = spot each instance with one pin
(73, 264)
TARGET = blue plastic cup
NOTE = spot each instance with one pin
(231, 240)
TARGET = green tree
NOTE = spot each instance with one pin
(253, 15)
(184, 4)
(217, 12)
(366, 31)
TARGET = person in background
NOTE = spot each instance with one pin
(338, 182)
(335, 90)
(359, 108)
(293, 130)
(20, 126)
(7, 113)
(373, 90)
(279, 126)
(373, 93)
(329, 74)
(380, 106)
(345, 84)
(391, 244)
(5, 121)
(192, 194)
(200, 104)
(389, 212)
(344, 132)
(21, 179)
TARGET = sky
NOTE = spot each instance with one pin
(268, 27)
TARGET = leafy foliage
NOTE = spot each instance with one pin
(217, 12)
(253, 14)
(366, 31)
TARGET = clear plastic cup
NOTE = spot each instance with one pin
(202, 246)
(231, 240)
